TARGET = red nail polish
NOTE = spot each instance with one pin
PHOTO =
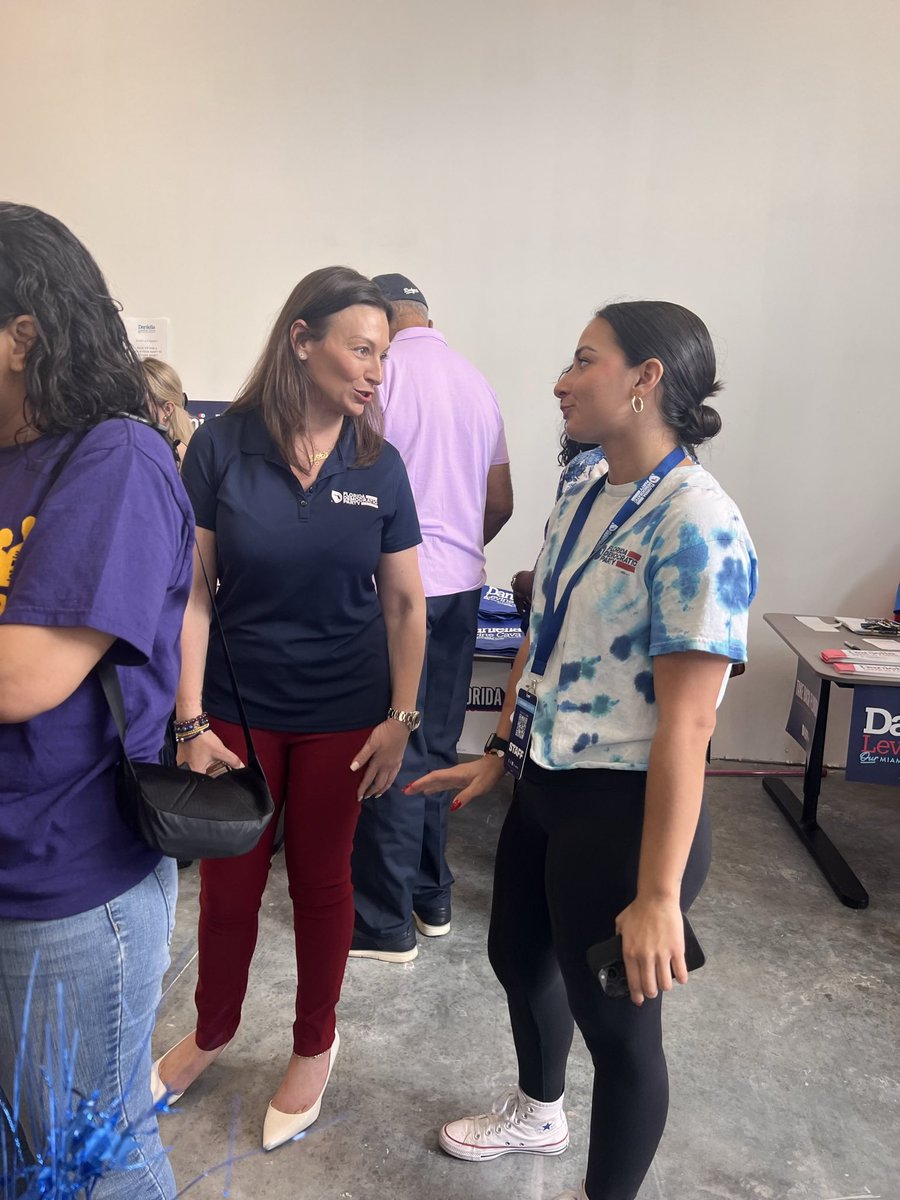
(454, 805)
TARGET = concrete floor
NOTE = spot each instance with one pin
(782, 1051)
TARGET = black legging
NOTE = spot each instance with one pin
(567, 864)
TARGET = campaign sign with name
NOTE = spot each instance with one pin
(873, 751)
(201, 410)
(804, 706)
(485, 697)
(497, 602)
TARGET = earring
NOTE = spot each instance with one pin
(302, 356)
(637, 404)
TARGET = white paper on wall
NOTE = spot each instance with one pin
(149, 336)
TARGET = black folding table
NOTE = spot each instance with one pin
(802, 812)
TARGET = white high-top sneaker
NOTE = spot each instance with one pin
(515, 1124)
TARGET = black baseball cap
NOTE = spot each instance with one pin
(398, 287)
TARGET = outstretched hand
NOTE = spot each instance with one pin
(470, 779)
(380, 758)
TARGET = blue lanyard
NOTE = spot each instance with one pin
(555, 614)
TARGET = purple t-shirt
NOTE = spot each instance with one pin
(110, 549)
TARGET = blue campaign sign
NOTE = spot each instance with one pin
(804, 706)
(873, 751)
(485, 697)
(200, 410)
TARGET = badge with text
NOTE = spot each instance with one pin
(520, 737)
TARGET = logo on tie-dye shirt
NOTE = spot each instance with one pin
(618, 556)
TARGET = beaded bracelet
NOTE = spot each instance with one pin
(190, 723)
(186, 731)
(194, 733)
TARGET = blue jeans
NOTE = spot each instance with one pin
(399, 860)
(110, 962)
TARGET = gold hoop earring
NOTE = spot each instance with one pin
(637, 404)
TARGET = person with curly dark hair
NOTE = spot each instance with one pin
(96, 538)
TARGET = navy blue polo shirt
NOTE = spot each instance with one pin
(296, 590)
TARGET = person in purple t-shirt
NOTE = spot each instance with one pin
(96, 538)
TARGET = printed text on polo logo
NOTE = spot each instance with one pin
(354, 498)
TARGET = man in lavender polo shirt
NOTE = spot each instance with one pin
(441, 414)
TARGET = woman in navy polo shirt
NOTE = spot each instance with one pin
(308, 517)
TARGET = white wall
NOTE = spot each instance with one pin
(523, 161)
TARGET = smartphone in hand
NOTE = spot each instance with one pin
(606, 962)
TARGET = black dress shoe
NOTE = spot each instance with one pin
(432, 921)
(397, 950)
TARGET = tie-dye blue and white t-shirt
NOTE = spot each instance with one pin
(679, 576)
(589, 464)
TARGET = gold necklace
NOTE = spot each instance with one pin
(318, 456)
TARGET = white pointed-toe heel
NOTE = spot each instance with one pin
(280, 1127)
(157, 1088)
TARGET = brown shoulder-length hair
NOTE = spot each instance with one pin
(279, 387)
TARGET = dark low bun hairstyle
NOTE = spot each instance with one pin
(679, 339)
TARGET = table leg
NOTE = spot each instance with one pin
(802, 816)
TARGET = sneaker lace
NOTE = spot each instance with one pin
(506, 1110)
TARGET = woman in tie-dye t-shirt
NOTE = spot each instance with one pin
(608, 831)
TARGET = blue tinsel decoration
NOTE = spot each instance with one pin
(85, 1141)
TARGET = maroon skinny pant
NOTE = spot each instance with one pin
(309, 775)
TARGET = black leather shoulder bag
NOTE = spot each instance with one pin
(183, 813)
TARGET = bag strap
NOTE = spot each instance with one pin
(252, 759)
(109, 681)
(112, 689)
